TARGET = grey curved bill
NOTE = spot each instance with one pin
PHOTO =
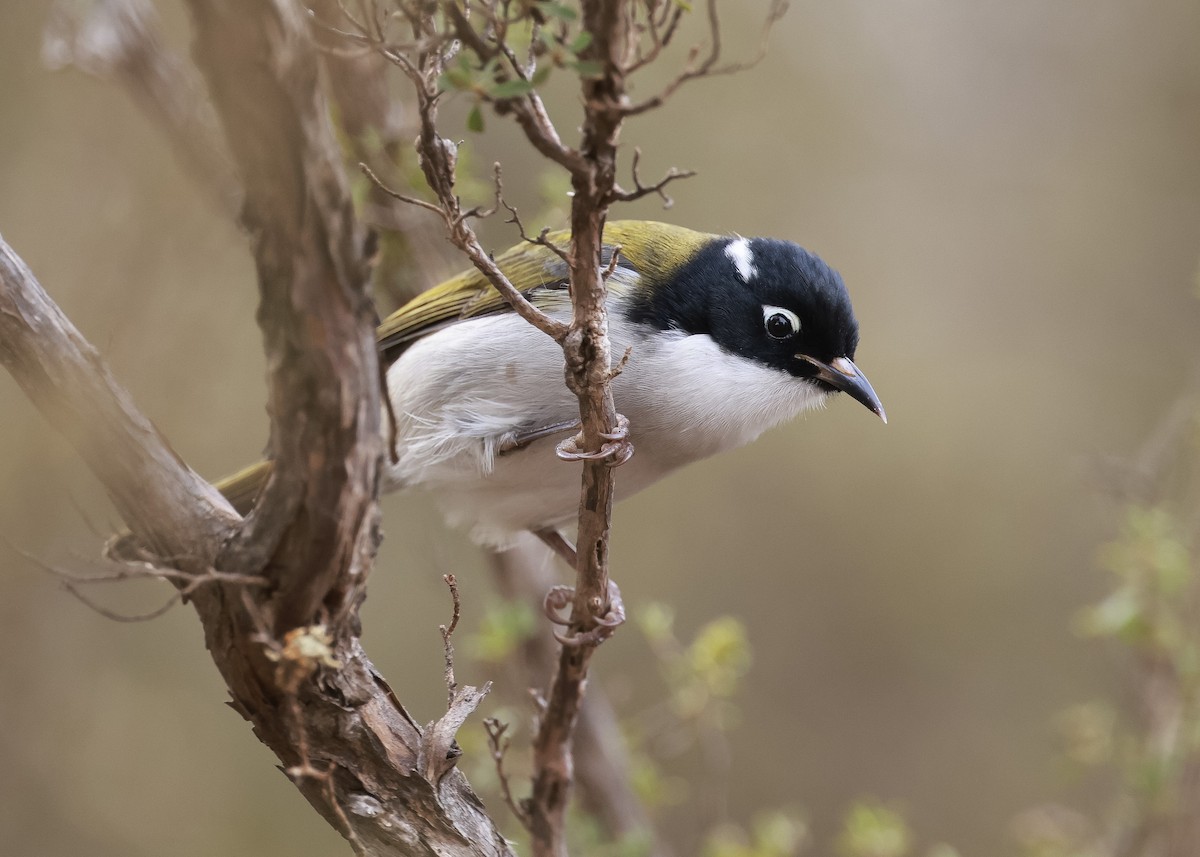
(841, 374)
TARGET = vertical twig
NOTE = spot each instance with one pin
(589, 365)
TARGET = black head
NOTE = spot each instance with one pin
(769, 301)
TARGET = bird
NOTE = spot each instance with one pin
(726, 337)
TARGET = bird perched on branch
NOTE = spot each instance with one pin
(726, 337)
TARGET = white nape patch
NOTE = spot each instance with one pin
(739, 252)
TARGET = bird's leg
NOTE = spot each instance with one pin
(558, 543)
(617, 449)
(519, 440)
(561, 597)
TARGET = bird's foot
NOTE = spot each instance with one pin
(615, 451)
(605, 625)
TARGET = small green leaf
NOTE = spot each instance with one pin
(453, 78)
(458, 76)
(510, 89)
(541, 75)
(557, 10)
(587, 68)
(580, 42)
(475, 120)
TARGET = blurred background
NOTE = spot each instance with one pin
(1012, 193)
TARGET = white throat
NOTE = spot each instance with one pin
(705, 400)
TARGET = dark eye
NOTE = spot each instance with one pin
(780, 323)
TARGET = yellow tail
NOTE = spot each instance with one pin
(241, 490)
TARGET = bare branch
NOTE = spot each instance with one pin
(465, 239)
(541, 240)
(661, 30)
(451, 684)
(589, 366)
(602, 769)
(640, 190)
(498, 745)
(165, 503)
(697, 68)
(530, 113)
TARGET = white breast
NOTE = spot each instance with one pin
(685, 399)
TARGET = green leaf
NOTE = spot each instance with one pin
(510, 89)
(557, 10)
(475, 120)
(453, 78)
(458, 76)
(587, 68)
(541, 75)
(580, 42)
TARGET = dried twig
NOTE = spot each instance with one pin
(697, 68)
(602, 767)
(447, 646)
(640, 190)
(498, 744)
(441, 151)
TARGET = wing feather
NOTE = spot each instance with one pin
(655, 249)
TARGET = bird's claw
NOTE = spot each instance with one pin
(605, 626)
(558, 598)
(616, 450)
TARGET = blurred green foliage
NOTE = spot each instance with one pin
(504, 627)
(772, 834)
(874, 830)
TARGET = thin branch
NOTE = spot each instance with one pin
(401, 197)
(165, 502)
(596, 607)
(661, 30)
(498, 744)
(541, 240)
(447, 646)
(602, 767)
(463, 236)
(696, 68)
(640, 190)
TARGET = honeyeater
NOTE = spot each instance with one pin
(726, 336)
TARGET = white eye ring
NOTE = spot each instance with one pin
(774, 319)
